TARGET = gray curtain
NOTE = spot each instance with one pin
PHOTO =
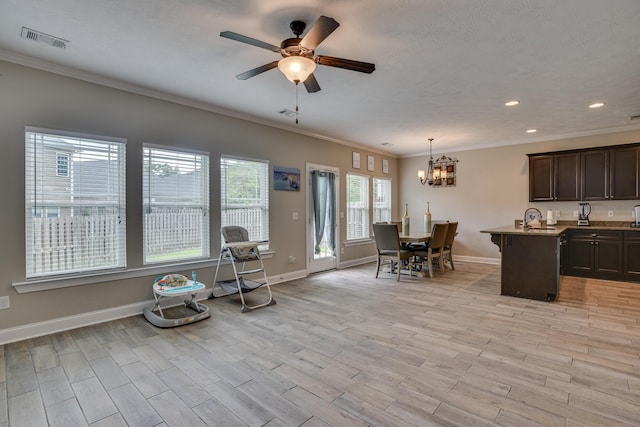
(324, 207)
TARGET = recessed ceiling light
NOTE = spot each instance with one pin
(597, 105)
(511, 103)
(531, 130)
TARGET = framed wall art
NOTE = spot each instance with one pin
(355, 160)
(286, 179)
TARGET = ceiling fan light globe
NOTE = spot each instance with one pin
(296, 68)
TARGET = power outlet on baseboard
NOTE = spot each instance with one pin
(4, 303)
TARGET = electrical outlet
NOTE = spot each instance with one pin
(557, 214)
(292, 259)
(610, 214)
(4, 302)
(575, 214)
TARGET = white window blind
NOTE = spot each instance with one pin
(381, 200)
(75, 222)
(176, 204)
(244, 195)
(357, 207)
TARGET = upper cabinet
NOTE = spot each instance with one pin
(625, 164)
(602, 173)
(594, 175)
(554, 177)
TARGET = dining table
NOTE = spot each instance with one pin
(415, 237)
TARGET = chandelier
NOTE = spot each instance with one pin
(440, 172)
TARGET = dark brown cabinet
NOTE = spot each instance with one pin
(632, 255)
(595, 253)
(625, 179)
(554, 177)
(602, 173)
(521, 272)
(594, 173)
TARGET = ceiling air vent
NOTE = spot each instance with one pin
(38, 36)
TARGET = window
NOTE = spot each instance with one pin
(381, 200)
(244, 195)
(62, 164)
(76, 224)
(176, 204)
(47, 212)
(357, 207)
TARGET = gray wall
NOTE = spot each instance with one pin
(32, 97)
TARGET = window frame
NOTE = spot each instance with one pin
(263, 217)
(378, 212)
(78, 240)
(186, 222)
(365, 210)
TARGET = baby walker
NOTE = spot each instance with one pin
(171, 286)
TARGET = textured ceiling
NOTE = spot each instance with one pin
(444, 68)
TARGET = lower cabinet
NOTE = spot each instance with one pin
(632, 255)
(602, 254)
(522, 258)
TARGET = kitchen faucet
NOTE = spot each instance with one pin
(530, 218)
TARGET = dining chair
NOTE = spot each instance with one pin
(435, 247)
(447, 256)
(389, 249)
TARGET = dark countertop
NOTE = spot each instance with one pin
(512, 229)
(561, 227)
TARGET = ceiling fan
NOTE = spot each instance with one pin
(298, 58)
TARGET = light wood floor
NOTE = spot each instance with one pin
(344, 349)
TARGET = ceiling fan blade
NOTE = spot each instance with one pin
(311, 84)
(347, 64)
(248, 40)
(251, 73)
(320, 31)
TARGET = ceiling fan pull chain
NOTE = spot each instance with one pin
(296, 103)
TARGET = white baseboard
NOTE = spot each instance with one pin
(359, 261)
(60, 324)
(273, 280)
(479, 260)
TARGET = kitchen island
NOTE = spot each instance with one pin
(530, 262)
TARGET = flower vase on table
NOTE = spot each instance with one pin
(406, 220)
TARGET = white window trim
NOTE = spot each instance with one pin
(264, 249)
(59, 282)
(103, 138)
(208, 196)
(361, 240)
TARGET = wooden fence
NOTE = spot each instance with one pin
(67, 244)
(78, 243)
(174, 230)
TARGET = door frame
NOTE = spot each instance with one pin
(309, 230)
